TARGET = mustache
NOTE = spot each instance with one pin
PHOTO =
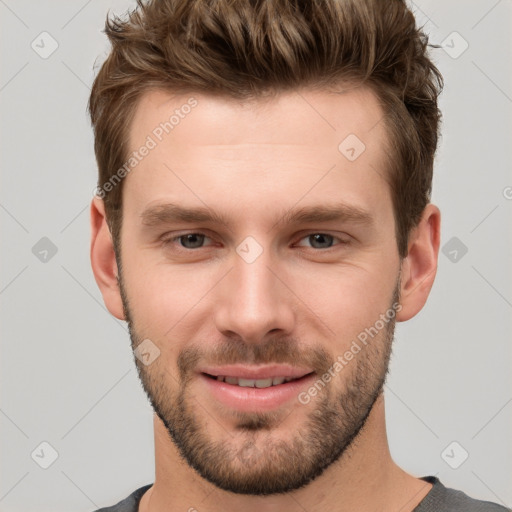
(235, 351)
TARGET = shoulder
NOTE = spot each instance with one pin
(444, 499)
(129, 504)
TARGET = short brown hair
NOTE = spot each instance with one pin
(245, 49)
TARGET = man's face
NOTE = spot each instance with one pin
(264, 289)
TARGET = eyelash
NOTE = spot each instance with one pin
(168, 241)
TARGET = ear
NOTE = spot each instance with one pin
(419, 267)
(103, 260)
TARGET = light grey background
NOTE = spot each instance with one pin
(67, 372)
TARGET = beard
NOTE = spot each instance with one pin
(251, 460)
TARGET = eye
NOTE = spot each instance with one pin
(193, 240)
(322, 240)
(187, 240)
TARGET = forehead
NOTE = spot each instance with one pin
(309, 116)
(224, 150)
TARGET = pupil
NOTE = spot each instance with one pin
(321, 238)
(195, 238)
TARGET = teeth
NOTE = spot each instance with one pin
(254, 383)
(245, 383)
(262, 383)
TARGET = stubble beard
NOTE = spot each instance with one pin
(252, 460)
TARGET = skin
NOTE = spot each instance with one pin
(301, 300)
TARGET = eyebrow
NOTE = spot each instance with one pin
(171, 213)
(325, 213)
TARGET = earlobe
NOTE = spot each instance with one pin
(420, 265)
(103, 260)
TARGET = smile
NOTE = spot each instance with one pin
(252, 383)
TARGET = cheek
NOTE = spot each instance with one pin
(346, 300)
(163, 299)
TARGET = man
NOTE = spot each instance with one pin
(262, 220)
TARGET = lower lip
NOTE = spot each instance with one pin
(255, 399)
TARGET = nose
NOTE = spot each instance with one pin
(254, 300)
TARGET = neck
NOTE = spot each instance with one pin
(365, 479)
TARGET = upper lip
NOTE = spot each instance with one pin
(256, 372)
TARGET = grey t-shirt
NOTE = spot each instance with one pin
(439, 499)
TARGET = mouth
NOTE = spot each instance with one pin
(255, 390)
(255, 383)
